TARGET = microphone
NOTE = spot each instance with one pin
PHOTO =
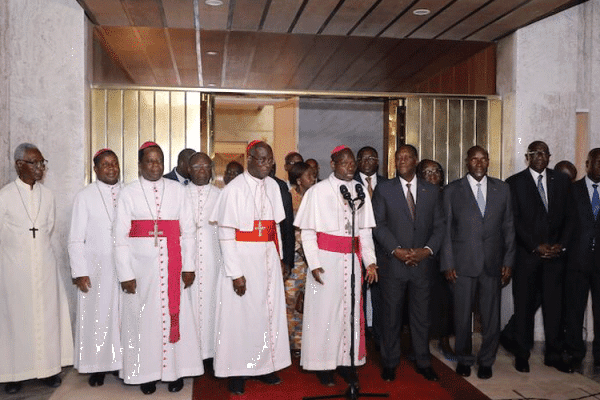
(360, 193)
(345, 193)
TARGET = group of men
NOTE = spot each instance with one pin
(173, 273)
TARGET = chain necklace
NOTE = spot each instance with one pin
(156, 232)
(260, 212)
(197, 216)
(336, 193)
(33, 229)
(104, 203)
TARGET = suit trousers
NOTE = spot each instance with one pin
(532, 275)
(465, 291)
(415, 281)
(577, 286)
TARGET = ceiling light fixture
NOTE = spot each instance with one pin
(211, 53)
(421, 11)
(214, 3)
(212, 85)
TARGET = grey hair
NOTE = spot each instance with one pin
(22, 148)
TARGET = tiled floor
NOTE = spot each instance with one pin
(541, 383)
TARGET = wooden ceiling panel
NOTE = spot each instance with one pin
(444, 20)
(145, 13)
(409, 21)
(322, 49)
(296, 48)
(314, 15)
(268, 49)
(179, 14)
(183, 42)
(247, 14)
(516, 19)
(213, 18)
(239, 53)
(155, 41)
(479, 19)
(106, 12)
(339, 62)
(281, 15)
(212, 65)
(383, 14)
(346, 17)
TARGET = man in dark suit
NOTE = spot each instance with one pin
(541, 199)
(288, 238)
(410, 229)
(366, 173)
(583, 265)
(478, 254)
(181, 172)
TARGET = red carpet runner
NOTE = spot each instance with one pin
(297, 383)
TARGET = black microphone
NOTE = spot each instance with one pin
(360, 193)
(345, 193)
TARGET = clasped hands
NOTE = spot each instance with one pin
(411, 257)
(188, 278)
(371, 275)
(548, 251)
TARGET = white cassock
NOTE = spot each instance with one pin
(97, 338)
(208, 263)
(148, 354)
(326, 319)
(251, 330)
(35, 327)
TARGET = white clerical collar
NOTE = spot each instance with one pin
(106, 185)
(146, 182)
(252, 179)
(25, 185)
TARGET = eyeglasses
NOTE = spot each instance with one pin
(538, 154)
(196, 167)
(263, 160)
(432, 172)
(37, 164)
(368, 159)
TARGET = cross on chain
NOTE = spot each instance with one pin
(155, 232)
(348, 227)
(260, 228)
(33, 229)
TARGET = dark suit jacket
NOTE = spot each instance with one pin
(474, 243)
(380, 178)
(585, 230)
(395, 226)
(533, 225)
(171, 175)
(287, 225)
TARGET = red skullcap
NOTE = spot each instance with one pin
(148, 144)
(251, 145)
(101, 151)
(339, 148)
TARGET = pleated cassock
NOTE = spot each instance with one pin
(326, 329)
(251, 330)
(35, 327)
(148, 354)
(91, 253)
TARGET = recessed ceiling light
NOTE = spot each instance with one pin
(418, 11)
(214, 3)
(212, 85)
(212, 53)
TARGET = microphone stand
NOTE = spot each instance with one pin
(352, 392)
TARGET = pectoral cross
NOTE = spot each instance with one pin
(348, 227)
(260, 228)
(33, 231)
(155, 232)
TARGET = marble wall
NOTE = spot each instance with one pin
(42, 99)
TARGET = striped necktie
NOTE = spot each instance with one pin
(411, 202)
(480, 200)
(540, 187)
(369, 186)
(595, 201)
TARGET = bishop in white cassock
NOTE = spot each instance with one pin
(35, 328)
(97, 338)
(203, 198)
(158, 328)
(325, 220)
(252, 335)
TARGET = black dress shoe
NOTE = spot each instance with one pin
(13, 387)
(388, 374)
(560, 365)
(484, 372)
(521, 364)
(348, 374)
(269, 379)
(176, 386)
(236, 385)
(53, 381)
(148, 387)
(429, 374)
(463, 370)
(326, 378)
(115, 373)
(96, 379)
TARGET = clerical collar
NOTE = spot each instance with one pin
(147, 182)
(254, 179)
(99, 182)
(25, 185)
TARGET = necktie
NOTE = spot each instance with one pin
(480, 200)
(595, 201)
(185, 182)
(369, 186)
(411, 202)
(540, 187)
